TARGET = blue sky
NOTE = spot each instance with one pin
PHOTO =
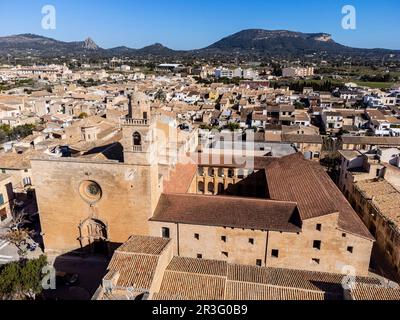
(190, 24)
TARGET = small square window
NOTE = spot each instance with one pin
(165, 232)
(226, 254)
(317, 244)
(251, 241)
(350, 249)
(318, 227)
(344, 235)
(223, 238)
(275, 253)
(259, 262)
(316, 261)
(196, 236)
(199, 256)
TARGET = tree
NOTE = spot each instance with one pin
(83, 115)
(232, 126)
(16, 235)
(22, 280)
(160, 95)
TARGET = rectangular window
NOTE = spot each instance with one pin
(319, 227)
(199, 256)
(226, 254)
(275, 253)
(197, 236)
(259, 262)
(223, 238)
(350, 249)
(317, 244)
(165, 232)
(1, 199)
(251, 241)
(3, 214)
(343, 235)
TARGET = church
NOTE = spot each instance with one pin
(279, 212)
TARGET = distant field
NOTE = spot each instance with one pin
(376, 85)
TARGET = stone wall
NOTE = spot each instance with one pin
(124, 207)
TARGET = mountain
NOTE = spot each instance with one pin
(38, 45)
(156, 49)
(89, 44)
(251, 42)
(284, 43)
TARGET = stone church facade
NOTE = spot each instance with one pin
(300, 219)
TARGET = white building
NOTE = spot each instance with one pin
(298, 72)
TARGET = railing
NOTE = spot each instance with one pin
(136, 122)
(137, 148)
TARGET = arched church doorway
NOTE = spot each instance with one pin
(94, 236)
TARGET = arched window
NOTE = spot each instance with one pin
(211, 187)
(221, 188)
(137, 139)
(200, 171)
(201, 187)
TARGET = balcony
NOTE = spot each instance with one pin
(136, 122)
(137, 149)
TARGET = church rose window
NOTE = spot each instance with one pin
(90, 191)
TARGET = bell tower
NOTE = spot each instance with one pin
(140, 150)
(139, 132)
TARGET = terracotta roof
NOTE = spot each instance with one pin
(180, 179)
(135, 270)
(290, 278)
(135, 262)
(374, 292)
(384, 197)
(15, 161)
(207, 267)
(292, 178)
(233, 212)
(189, 286)
(253, 291)
(395, 141)
(300, 138)
(144, 245)
(197, 279)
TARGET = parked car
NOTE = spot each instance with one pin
(68, 279)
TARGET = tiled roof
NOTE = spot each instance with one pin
(193, 286)
(232, 212)
(136, 261)
(292, 178)
(384, 196)
(253, 291)
(207, 267)
(144, 245)
(395, 141)
(180, 179)
(135, 270)
(307, 138)
(374, 292)
(196, 279)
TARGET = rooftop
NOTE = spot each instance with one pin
(384, 196)
(198, 279)
(233, 212)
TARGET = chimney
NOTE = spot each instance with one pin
(130, 111)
